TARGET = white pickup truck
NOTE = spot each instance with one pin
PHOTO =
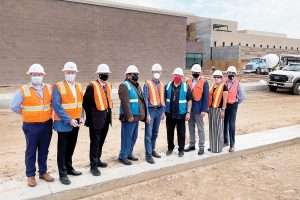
(288, 78)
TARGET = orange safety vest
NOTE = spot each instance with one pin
(156, 97)
(216, 96)
(102, 101)
(232, 91)
(35, 108)
(197, 91)
(73, 109)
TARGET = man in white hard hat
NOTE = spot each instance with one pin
(97, 103)
(178, 98)
(155, 103)
(132, 110)
(236, 96)
(33, 102)
(200, 90)
(67, 103)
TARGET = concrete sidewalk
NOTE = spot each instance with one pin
(87, 184)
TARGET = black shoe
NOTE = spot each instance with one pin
(201, 151)
(74, 172)
(95, 171)
(102, 164)
(190, 148)
(208, 149)
(125, 161)
(169, 152)
(65, 180)
(156, 155)
(181, 153)
(133, 158)
(150, 160)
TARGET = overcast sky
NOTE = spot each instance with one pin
(265, 15)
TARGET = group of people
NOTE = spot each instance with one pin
(64, 106)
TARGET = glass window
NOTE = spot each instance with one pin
(193, 58)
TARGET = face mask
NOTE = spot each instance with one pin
(196, 75)
(156, 75)
(37, 79)
(231, 77)
(218, 80)
(103, 77)
(134, 77)
(70, 77)
(177, 79)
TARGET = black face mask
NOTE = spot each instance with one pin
(231, 77)
(196, 75)
(134, 77)
(103, 77)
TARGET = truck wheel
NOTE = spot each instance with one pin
(258, 71)
(296, 89)
(272, 88)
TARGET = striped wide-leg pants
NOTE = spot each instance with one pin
(216, 129)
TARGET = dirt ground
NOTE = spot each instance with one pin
(272, 175)
(262, 110)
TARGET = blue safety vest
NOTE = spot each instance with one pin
(182, 97)
(133, 99)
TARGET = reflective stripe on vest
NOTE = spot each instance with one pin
(232, 91)
(182, 98)
(156, 97)
(73, 109)
(35, 108)
(215, 96)
(102, 101)
(197, 91)
(133, 99)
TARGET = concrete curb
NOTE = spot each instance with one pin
(87, 185)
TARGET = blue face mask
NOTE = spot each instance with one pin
(37, 79)
(70, 77)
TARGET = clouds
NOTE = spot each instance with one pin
(264, 15)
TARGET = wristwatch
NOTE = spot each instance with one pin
(222, 108)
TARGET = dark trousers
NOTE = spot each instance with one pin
(66, 143)
(229, 123)
(38, 137)
(97, 138)
(180, 126)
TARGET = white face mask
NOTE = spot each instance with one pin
(156, 75)
(70, 77)
(37, 79)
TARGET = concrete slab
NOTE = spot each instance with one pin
(261, 85)
(87, 184)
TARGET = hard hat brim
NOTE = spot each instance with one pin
(63, 70)
(103, 72)
(36, 72)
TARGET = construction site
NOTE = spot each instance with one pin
(87, 32)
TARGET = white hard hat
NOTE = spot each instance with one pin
(70, 66)
(36, 68)
(218, 73)
(196, 68)
(231, 69)
(178, 71)
(103, 68)
(156, 67)
(132, 69)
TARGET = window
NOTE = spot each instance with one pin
(253, 45)
(267, 46)
(246, 45)
(223, 44)
(292, 48)
(260, 45)
(193, 58)
(274, 47)
(231, 44)
(297, 48)
(280, 47)
(215, 43)
(239, 44)
(285, 47)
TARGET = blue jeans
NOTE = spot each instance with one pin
(38, 137)
(129, 133)
(151, 130)
(229, 123)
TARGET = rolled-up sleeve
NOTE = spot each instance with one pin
(16, 102)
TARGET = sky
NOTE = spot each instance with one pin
(265, 15)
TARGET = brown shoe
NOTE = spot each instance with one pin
(231, 149)
(31, 181)
(47, 177)
(225, 145)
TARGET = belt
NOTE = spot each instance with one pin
(156, 108)
(38, 122)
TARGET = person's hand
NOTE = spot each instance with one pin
(222, 114)
(148, 120)
(163, 116)
(74, 123)
(131, 119)
(202, 114)
(187, 116)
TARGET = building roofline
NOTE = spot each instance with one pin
(130, 7)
